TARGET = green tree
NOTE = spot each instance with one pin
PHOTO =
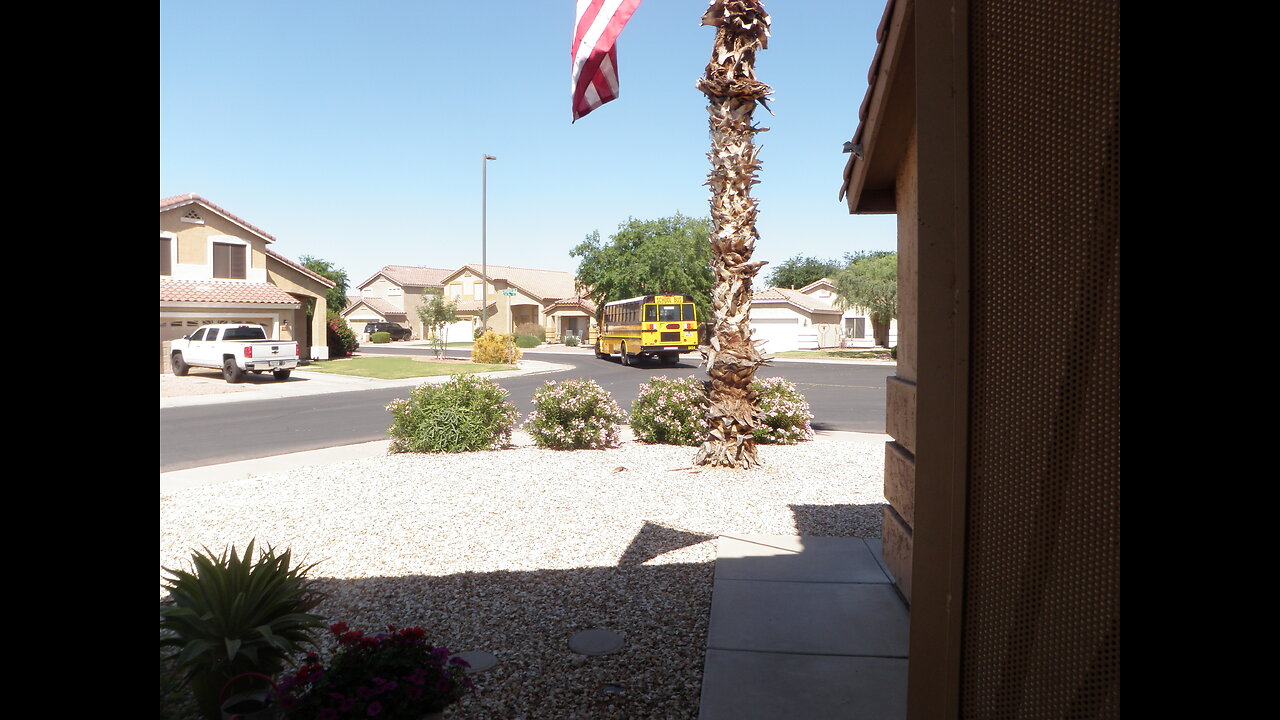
(667, 255)
(336, 297)
(870, 280)
(801, 270)
(436, 315)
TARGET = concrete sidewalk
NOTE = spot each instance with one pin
(804, 627)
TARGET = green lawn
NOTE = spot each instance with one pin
(398, 368)
(873, 354)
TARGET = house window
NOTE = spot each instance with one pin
(855, 327)
(229, 261)
(166, 256)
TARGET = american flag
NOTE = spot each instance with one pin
(595, 55)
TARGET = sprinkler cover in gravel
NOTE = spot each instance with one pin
(595, 642)
(478, 659)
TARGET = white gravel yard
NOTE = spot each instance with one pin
(514, 551)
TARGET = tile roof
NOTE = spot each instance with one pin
(411, 276)
(793, 297)
(543, 284)
(224, 291)
(378, 305)
(584, 303)
(309, 273)
(473, 305)
(179, 200)
(816, 283)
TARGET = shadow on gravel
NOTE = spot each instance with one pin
(829, 520)
(525, 619)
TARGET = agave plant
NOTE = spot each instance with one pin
(231, 616)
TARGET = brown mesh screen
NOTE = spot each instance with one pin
(1042, 595)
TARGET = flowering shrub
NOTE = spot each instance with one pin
(464, 414)
(786, 413)
(574, 414)
(396, 675)
(341, 340)
(670, 412)
(494, 349)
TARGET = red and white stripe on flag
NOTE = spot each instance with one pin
(594, 51)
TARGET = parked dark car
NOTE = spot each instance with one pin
(397, 332)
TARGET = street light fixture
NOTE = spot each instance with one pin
(484, 241)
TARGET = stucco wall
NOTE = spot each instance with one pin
(900, 420)
(192, 257)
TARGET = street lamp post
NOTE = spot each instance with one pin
(484, 241)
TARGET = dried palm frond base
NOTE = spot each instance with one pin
(742, 28)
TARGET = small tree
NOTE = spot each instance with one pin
(870, 281)
(336, 296)
(436, 315)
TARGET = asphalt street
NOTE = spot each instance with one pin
(843, 395)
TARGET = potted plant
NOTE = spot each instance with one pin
(396, 675)
(232, 618)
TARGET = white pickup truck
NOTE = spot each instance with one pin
(235, 349)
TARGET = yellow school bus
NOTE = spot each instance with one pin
(649, 326)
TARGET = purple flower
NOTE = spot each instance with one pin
(375, 708)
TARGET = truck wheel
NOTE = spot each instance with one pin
(180, 368)
(230, 372)
(625, 359)
(600, 355)
(280, 374)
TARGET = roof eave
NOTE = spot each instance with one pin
(886, 116)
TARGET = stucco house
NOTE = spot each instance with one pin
(217, 268)
(788, 319)
(810, 318)
(517, 296)
(856, 327)
(393, 294)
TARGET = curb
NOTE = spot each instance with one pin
(306, 382)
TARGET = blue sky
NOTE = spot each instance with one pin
(353, 130)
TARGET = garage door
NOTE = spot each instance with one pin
(781, 333)
(459, 332)
(357, 323)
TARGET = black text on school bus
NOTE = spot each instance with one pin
(649, 326)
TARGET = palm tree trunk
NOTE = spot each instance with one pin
(742, 27)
